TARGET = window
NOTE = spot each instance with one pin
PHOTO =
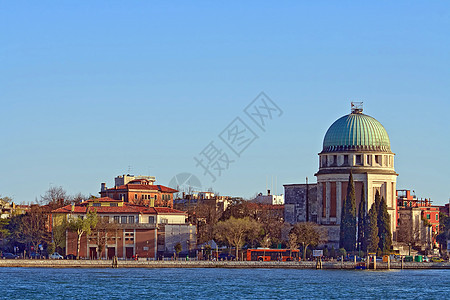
(378, 159)
(96, 204)
(345, 159)
(324, 161)
(437, 217)
(113, 204)
(135, 196)
(137, 220)
(151, 219)
(131, 219)
(129, 236)
(123, 220)
(358, 159)
(116, 219)
(335, 160)
(428, 216)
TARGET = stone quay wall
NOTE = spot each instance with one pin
(37, 263)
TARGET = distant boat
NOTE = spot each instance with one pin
(361, 266)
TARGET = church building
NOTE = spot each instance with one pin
(355, 143)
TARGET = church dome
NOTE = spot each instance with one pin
(356, 132)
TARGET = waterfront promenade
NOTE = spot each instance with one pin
(45, 263)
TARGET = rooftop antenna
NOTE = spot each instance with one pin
(357, 107)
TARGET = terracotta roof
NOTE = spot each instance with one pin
(147, 187)
(103, 199)
(167, 210)
(127, 208)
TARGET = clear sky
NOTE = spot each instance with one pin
(94, 89)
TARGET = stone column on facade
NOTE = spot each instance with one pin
(320, 202)
(338, 201)
(328, 201)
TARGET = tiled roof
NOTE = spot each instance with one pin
(167, 210)
(103, 199)
(127, 208)
(146, 187)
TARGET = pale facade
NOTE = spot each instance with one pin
(355, 143)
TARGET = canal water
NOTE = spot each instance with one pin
(33, 283)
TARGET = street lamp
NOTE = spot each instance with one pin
(359, 247)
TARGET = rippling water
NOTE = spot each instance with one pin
(31, 283)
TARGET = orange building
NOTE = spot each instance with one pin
(141, 191)
(429, 213)
(131, 230)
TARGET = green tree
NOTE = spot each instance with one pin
(372, 230)
(444, 231)
(308, 234)
(4, 232)
(333, 252)
(51, 247)
(384, 228)
(59, 232)
(362, 220)
(82, 226)
(208, 251)
(178, 248)
(342, 252)
(235, 232)
(347, 237)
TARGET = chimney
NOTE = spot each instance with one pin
(103, 187)
(268, 192)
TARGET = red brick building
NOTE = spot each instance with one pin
(430, 213)
(130, 229)
(142, 192)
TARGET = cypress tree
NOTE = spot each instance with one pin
(347, 237)
(377, 202)
(362, 220)
(384, 228)
(372, 230)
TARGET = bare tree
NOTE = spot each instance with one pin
(104, 230)
(308, 234)
(265, 243)
(293, 242)
(55, 197)
(33, 227)
(205, 216)
(235, 232)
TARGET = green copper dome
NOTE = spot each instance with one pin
(356, 132)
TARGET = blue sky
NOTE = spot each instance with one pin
(91, 90)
